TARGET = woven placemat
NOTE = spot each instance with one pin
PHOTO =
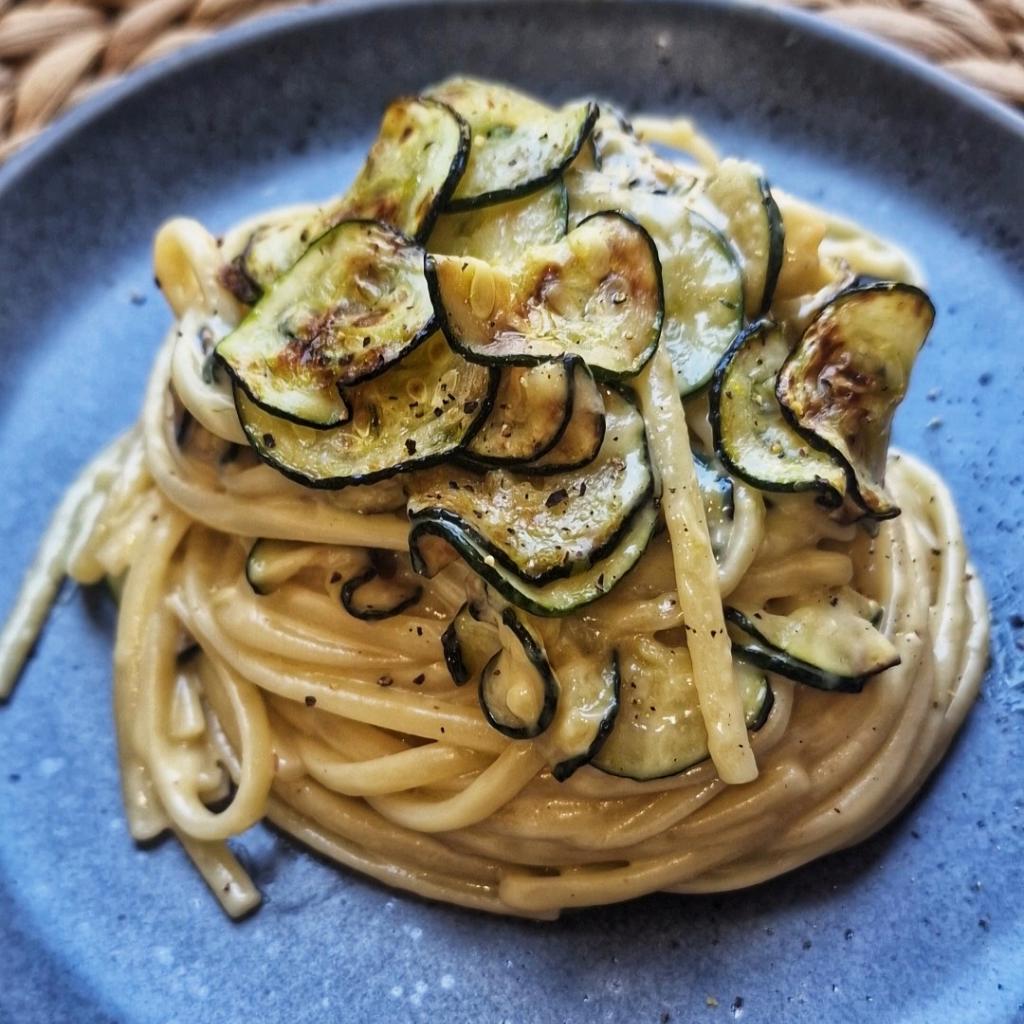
(55, 52)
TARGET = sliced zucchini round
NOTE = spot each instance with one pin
(545, 529)
(423, 410)
(434, 542)
(829, 641)
(501, 233)
(701, 277)
(659, 730)
(752, 437)
(531, 410)
(518, 144)
(518, 691)
(583, 435)
(841, 385)
(596, 294)
(469, 643)
(409, 174)
(271, 563)
(753, 224)
(380, 592)
(355, 303)
(588, 704)
(630, 163)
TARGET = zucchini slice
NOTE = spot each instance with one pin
(518, 144)
(830, 641)
(503, 232)
(421, 411)
(431, 542)
(753, 224)
(842, 383)
(630, 163)
(588, 704)
(532, 408)
(596, 294)
(659, 730)
(409, 174)
(518, 691)
(381, 591)
(716, 490)
(701, 277)
(544, 529)
(469, 643)
(355, 303)
(752, 437)
(583, 435)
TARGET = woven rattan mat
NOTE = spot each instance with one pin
(55, 52)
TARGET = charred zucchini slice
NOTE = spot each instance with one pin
(701, 277)
(842, 383)
(584, 432)
(422, 410)
(469, 643)
(596, 294)
(518, 691)
(754, 225)
(659, 730)
(588, 703)
(532, 409)
(518, 144)
(383, 590)
(409, 174)
(433, 541)
(501, 233)
(752, 436)
(355, 303)
(829, 641)
(545, 529)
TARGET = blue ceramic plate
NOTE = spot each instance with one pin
(923, 922)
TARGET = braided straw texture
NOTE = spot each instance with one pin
(55, 52)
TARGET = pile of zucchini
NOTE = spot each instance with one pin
(470, 314)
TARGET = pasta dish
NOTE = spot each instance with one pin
(520, 529)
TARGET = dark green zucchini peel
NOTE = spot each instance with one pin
(423, 410)
(518, 690)
(752, 436)
(659, 730)
(469, 642)
(408, 176)
(588, 703)
(550, 528)
(384, 589)
(596, 294)
(355, 303)
(518, 146)
(754, 225)
(830, 642)
(841, 385)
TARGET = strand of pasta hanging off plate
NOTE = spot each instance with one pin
(519, 528)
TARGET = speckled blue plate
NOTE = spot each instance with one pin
(924, 922)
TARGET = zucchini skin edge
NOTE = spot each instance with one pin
(828, 497)
(502, 195)
(543, 668)
(767, 656)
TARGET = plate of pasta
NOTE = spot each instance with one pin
(516, 512)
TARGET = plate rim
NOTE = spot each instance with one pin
(78, 118)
